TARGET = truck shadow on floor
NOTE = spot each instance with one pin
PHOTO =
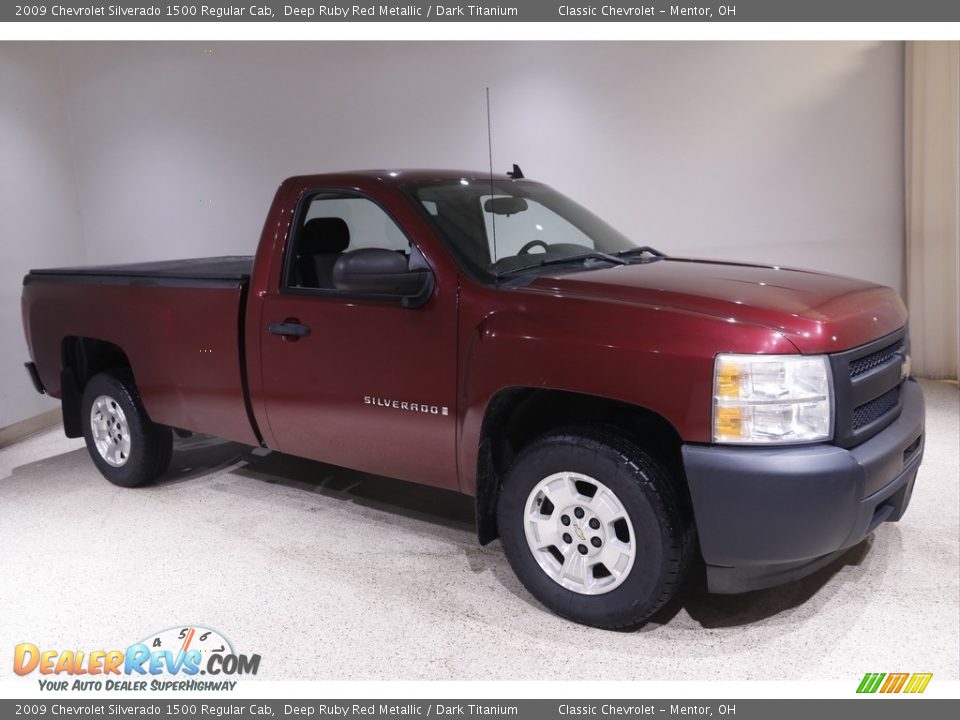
(436, 506)
(199, 455)
(451, 515)
(712, 611)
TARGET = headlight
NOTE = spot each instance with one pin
(769, 399)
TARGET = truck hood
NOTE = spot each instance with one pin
(818, 312)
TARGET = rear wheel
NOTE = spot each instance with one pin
(594, 527)
(126, 446)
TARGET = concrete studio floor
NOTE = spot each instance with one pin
(331, 574)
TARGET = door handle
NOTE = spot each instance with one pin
(289, 328)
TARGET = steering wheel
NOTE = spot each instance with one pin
(525, 250)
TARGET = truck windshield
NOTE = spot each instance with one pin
(514, 227)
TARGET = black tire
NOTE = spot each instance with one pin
(653, 500)
(151, 445)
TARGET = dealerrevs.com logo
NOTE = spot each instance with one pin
(172, 659)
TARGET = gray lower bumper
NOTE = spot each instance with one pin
(769, 515)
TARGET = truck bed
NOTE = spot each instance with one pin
(178, 322)
(228, 269)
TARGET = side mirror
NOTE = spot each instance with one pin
(376, 271)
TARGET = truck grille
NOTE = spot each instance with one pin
(867, 388)
(876, 408)
(873, 360)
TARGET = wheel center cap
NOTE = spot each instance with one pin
(579, 532)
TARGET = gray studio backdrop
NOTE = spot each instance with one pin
(788, 153)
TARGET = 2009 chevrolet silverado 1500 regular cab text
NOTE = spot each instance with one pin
(612, 410)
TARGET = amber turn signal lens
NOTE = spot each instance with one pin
(729, 422)
(728, 380)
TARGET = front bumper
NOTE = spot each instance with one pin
(766, 516)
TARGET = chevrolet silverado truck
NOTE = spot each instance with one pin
(615, 412)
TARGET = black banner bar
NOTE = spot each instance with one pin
(484, 11)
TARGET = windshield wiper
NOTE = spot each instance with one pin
(595, 255)
(645, 250)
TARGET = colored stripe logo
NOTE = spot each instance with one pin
(913, 683)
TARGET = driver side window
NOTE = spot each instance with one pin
(334, 226)
(519, 229)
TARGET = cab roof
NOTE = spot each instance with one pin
(401, 176)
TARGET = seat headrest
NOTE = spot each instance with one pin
(324, 235)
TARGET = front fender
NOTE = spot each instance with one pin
(657, 359)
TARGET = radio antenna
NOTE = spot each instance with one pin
(493, 215)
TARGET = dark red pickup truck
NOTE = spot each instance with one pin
(612, 410)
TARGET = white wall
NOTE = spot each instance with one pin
(39, 215)
(786, 153)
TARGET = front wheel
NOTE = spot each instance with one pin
(126, 446)
(594, 527)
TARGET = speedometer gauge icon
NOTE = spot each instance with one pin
(184, 638)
